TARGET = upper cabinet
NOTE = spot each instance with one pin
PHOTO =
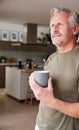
(34, 33)
(30, 33)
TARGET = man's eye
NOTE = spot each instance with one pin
(60, 24)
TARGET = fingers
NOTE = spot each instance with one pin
(34, 86)
(32, 82)
(50, 83)
(39, 92)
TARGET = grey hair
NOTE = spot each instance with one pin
(73, 15)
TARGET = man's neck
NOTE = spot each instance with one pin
(69, 47)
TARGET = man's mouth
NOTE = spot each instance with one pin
(56, 35)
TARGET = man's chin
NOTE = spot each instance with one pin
(56, 43)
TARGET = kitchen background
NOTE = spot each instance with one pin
(23, 55)
(13, 81)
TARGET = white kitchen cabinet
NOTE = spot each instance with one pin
(16, 83)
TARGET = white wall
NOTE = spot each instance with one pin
(20, 28)
(11, 26)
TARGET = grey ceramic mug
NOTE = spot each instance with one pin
(41, 77)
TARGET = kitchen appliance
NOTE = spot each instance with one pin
(20, 66)
(29, 63)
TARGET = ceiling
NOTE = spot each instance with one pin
(32, 11)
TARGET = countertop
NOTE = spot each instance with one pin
(11, 64)
(30, 70)
(5, 64)
(25, 70)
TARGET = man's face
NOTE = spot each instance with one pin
(60, 29)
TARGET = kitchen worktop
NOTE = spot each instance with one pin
(30, 70)
(27, 70)
(4, 64)
(8, 63)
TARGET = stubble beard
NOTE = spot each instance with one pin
(56, 43)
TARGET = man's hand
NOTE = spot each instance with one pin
(43, 94)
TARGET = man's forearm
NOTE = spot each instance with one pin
(70, 109)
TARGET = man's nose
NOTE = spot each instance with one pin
(55, 28)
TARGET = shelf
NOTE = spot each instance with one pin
(17, 46)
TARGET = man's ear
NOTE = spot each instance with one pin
(76, 30)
